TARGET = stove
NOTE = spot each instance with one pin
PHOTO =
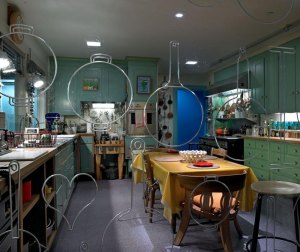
(234, 146)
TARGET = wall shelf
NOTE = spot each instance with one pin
(240, 120)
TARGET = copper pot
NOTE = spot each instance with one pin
(219, 131)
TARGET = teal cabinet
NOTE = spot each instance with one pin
(271, 82)
(142, 67)
(65, 165)
(110, 84)
(87, 154)
(287, 80)
(257, 84)
(273, 160)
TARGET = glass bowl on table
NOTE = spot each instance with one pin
(192, 156)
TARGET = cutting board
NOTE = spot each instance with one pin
(23, 154)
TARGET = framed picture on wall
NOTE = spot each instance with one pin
(90, 84)
(143, 84)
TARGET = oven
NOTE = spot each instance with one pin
(233, 145)
(135, 123)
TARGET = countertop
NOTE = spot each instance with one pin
(290, 140)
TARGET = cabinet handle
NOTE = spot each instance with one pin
(296, 174)
(296, 151)
(297, 92)
(296, 162)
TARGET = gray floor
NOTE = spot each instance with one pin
(94, 230)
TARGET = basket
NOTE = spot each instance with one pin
(38, 140)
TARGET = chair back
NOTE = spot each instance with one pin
(148, 169)
(212, 197)
(219, 152)
(234, 182)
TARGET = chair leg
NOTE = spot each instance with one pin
(146, 198)
(152, 199)
(173, 223)
(185, 220)
(225, 236)
(238, 227)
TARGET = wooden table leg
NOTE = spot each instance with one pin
(120, 165)
(98, 167)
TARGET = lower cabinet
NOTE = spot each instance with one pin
(273, 159)
(64, 165)
(87, 154)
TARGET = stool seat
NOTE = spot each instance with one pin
(275, 188)
(283, 188)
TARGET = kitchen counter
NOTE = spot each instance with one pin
(289, 140)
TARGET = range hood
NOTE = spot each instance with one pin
(229, 84)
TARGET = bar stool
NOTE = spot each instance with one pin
(275, 189)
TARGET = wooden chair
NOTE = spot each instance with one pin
(151, 187)
(210, 199)
(219, 152)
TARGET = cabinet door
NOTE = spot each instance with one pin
(272, 82)
(287, 81)
(258, 84)
(86, 158)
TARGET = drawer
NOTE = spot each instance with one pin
(261, 174)
(276, 147)
(276, 157)
(248, 143)
(262, 145)
(290, 160)
(291, 174)
(292, 149)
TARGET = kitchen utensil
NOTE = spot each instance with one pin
(165, 107)
(168, 134)
(219, 131)
(165, 126)
(170, 100)
(170, 114)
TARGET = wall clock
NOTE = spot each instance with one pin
(15, 17)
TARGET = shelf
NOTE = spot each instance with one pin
(50, 238)
(29, 205)
(242, 120)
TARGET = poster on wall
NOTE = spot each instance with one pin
(143, 84)
(90, 84)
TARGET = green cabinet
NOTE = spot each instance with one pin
(109, 84)
(65, 165)
(273, 160)
(87, 154)
(138, 66)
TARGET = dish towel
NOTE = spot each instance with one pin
(139, 119)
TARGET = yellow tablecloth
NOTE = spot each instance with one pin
(173, 194)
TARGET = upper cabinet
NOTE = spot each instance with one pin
(142, 67)
(97, 82)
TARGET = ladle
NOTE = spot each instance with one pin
(165, 107)
(168, 134)
(170, 100)
(170, 114)
(165, 126)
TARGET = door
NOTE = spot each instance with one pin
(189, 117)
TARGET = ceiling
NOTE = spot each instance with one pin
(209, 31)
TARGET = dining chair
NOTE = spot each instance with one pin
(219, 152)
(212, 201)
(152, 186)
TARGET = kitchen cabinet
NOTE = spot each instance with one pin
(257, 83)
(87, 153)
(139, 66)
(110, 85)
(65, 165)
(273, 159)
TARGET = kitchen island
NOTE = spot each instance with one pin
(34, 215)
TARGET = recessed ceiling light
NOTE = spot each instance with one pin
(179, 15)
(191, 62)
(93, 43)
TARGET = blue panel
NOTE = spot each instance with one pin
(7, 108)
(189, 111)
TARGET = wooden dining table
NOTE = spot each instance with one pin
(166, 166)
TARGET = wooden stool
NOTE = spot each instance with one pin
(274, 188)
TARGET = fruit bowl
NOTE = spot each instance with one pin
(192, 156)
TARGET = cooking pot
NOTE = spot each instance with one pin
(219, 131)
